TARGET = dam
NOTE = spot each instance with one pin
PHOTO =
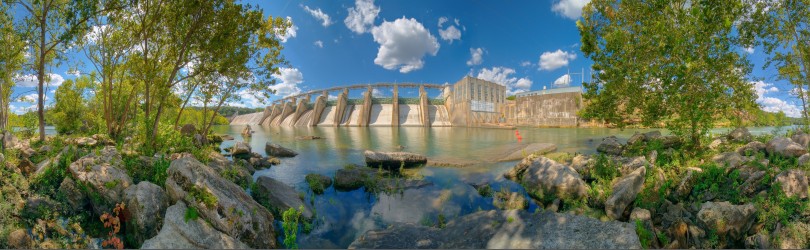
(470, 102)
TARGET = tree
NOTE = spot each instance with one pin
(70, 110)
(665, 60)
(54, 25)
(783, 28)
(11, 61)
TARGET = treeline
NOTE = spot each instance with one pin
(228, 111)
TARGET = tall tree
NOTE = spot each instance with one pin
(12, 58)
(783, 28)
(54, 25)
(674, 61)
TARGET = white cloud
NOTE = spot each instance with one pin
(502, 76)
(569, 8)
(319, 43)
(450, 33)
(21, 109)
(475, 56)
(32, 98)
(749, 50)
(555, 60)
(32, 80)
(95, 33)
(525, 64)
(375, 93)
(403, 43)
(74, 72)
(291, 31)
(318, 14)
(564, 80)
(457, 22)
(442, 20)
(772, 104)
(289, 78)
(361, 16)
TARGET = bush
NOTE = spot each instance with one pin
(290, 225)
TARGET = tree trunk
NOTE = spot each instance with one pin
(41, 76)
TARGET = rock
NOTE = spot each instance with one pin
(793, 236)
(715, 144)
(200, 140)
(178, 232)
(510, 200)
(652, 157)
(740, 135)
(278, 197)
(635, 138)
(727, 219)
(803, 160)
(751, 148)
(784, 147)
(26, 166)
(247, 132)
(393, 160)
(226, 137)
(583, 164)
(240, 174)
(554, 206)
(353, 177)
(801, 138)
(759, 241)
(27, 152)
(652, 135)
(241, 150)
(276, 150)
(670, 141)
(318, 183)
(533, 148)
(752, 183)
(262, 162)
(86, 142)
(146, 203)
(37, 207)
(510, 229)
(793, 182)
(730, 160)
(687, 183)
(631, 164)
(624, 193)
(188, 129)
(308, 137)
(542, 176)
(640, 214)
(222, 203)
(105, 177)
(74, 198)
(19, 239)
(610, 145)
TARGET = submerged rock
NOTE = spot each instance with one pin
(308, 137)
(318, 182)
(624, 193)
(181, 230)
(784, 147)
(542, 176)
(610, 145)
(511, 229)
(222, 203)
(278, 197)
(276, 150)
(247, 132)
(354, 177)
(533, 148)
(393, 160)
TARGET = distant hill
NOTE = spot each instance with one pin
(228, 111)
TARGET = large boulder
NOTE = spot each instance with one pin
(624, 193)
(726, 219)
(793, 182)
(784, 147)
(276, 150)
(542, 176)
(740, 135)
(19, 239)
(86, 142)
(104, 176)
(751, 148)
(241, 150)
(222, 203)
(730, 160)
(278, 197)
(635, 138)
(354, 177)
(182, 230)
(801, 138)
(75, 199)
(9, 140)
(146, 203)
(795, 235)
(393, 160)
(803, 160)
(610, 145)
(510, 229)
(236, 173)
(510, 200)
(583, 164)
(528, 149)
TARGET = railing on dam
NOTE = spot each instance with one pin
(364, 86)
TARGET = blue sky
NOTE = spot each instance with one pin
(525, 45)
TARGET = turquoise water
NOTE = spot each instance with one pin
(342, 216)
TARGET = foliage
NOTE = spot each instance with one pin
(673, 60)
(228, 111)
(191, 214)
(778, 208)
(645, 236)
(70, 108)
(203, 196)
(290, 226)
(48, 182)
(27, 124)
(485, 190)
(714, 182)
(11, 60)
(113, 222)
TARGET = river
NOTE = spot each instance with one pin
(342, 216)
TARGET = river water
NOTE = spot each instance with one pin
(342, 216)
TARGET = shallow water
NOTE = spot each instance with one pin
(342, 216)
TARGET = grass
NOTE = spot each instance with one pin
(645, 236)
(191, 214)
(202, 195)
(289, 223)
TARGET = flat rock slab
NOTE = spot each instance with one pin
(451, 162)
(512, 229)
(393, 160)
(526, 149)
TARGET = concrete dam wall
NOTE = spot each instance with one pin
(352, 116)
(547, 110)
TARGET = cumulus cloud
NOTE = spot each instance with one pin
(555, 60)
(361, 16)
(95, 32)
(19, 109)
(569, 8)
(319, 43)
(749, 50)
(403, 43)
(503, 76)
(451, 32)
(290, 33)
(442, 20)
(32, 80)
(288, 80)
(563, 81)
(773, 104)
(475, 56)
(318, 14)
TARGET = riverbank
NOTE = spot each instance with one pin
(646, 191)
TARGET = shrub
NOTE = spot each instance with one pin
(290, 225)
(113, 222)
